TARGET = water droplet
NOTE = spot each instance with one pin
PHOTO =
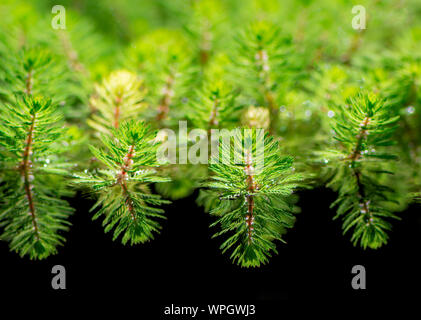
(410, 110)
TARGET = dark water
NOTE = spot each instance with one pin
(183, 265)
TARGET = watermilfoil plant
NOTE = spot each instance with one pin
(86, 110)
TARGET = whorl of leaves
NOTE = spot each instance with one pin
(32, 213)
(215, 106)
(253, 208)
(124, 199)
(364, 129)
(261, 62)
(118, 98)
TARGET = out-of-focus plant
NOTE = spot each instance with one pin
(288, 67)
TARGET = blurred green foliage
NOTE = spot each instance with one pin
(290, 67)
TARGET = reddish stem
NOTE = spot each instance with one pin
(165, 102)
(28, 83)
(71, 54)
(262, 62)
(251, 187)
(117, 112)
(25, 167)
(356, 154)
(122, 178)
(213, 119)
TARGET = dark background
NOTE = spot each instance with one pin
(183, 265)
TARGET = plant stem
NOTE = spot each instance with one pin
(356, 154)
(123, 177)
(206, 45)
(213, 119)
(28, 82)
(251, 186)
(263, 65)
(164, 105)
(71, 54)
(117, 112)
(25, 172)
